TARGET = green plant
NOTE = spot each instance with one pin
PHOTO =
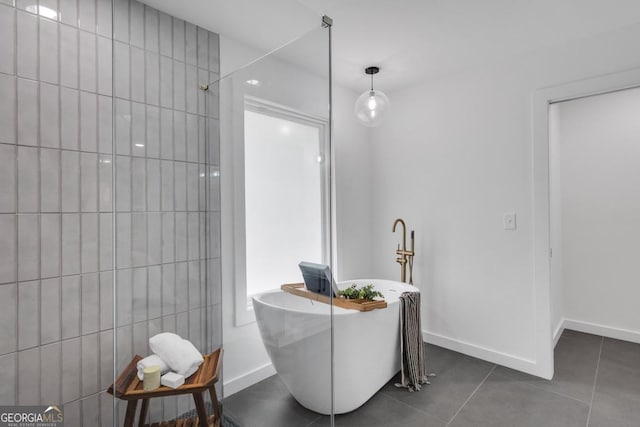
(365, 292)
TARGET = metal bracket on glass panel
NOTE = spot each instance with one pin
(326, 21)
(204, 87)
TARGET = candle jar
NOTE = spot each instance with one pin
(151, 378)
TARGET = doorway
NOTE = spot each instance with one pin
(594, 194)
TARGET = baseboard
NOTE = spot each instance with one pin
(605, 331)
(493, 356)
(557, 333)
(254, 376)
(248, 379)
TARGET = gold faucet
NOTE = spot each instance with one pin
(404, 256)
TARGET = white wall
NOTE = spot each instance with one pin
(246, 360)
(353, 174)
(598, 144)
(456, 154)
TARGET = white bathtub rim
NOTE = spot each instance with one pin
(337, 311)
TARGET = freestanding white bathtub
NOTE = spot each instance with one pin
(297, 335)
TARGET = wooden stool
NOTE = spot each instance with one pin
(128, 387)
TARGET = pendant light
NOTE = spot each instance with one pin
(371, 106)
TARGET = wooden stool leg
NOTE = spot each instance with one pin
(201, 409)
(143, 412)
(130, 415)
(214, 403)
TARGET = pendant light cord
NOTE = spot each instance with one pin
(372, 82)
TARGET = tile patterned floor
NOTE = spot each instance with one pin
(596, 384)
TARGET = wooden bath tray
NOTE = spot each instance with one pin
(352, 304)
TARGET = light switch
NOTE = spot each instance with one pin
(509, 220)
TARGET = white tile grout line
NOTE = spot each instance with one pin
(471, 395)
(595, 379)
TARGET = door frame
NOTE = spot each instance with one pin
(541, 100)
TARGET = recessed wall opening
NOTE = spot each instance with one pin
(594, 150)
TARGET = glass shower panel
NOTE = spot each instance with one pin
(273, 118)
(166, 271)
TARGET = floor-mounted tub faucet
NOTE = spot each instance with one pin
(405, 257)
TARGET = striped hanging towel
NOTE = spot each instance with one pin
(412, 359)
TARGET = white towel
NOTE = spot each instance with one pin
(181, 356)
(153, 360)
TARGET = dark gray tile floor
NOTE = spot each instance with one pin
(596, 384)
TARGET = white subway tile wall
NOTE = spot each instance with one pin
(76, 87)
(50, 122)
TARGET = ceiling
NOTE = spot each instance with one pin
(410, 40)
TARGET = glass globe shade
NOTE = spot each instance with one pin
(371, 106)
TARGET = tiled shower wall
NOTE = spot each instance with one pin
(62, 77)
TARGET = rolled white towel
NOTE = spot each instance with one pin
(180, 355)
(153, 360)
